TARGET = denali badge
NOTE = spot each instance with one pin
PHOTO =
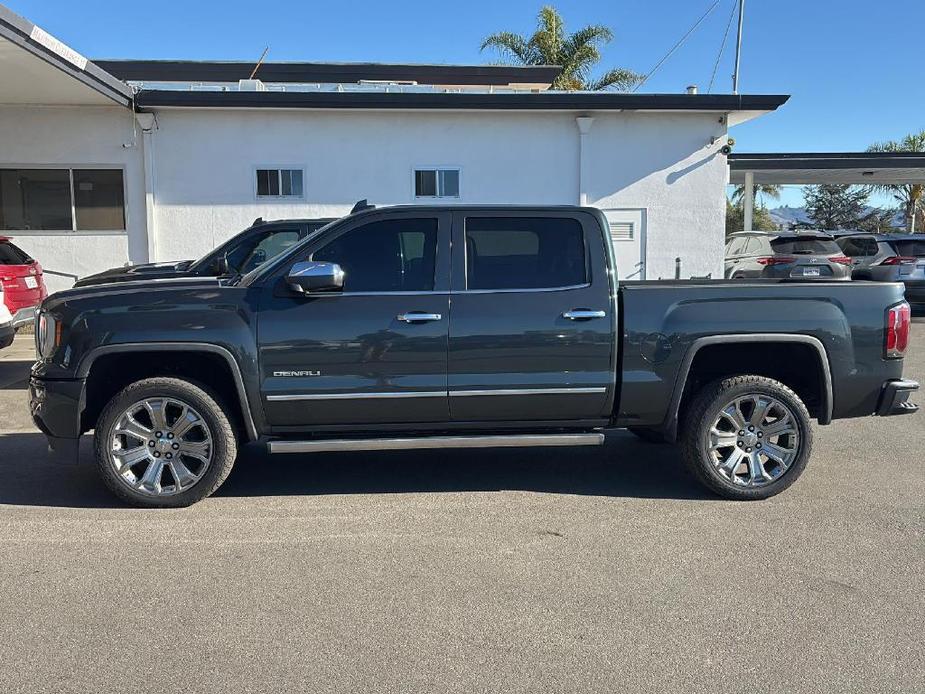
(297, 373)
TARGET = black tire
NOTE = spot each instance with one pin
(646, 434)
(703, 411)
(223, 440)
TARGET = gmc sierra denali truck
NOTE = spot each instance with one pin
(464, 327)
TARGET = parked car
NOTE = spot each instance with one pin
(887, 258)
(459, 327)
(795, 255)
(239, 254)
(22, 280)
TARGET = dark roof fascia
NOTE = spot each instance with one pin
(344, 73)
(826, 160)
(545, 101)
(18, 30)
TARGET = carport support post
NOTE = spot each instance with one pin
(748, 201)
(584, 164)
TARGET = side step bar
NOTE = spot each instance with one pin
(410, 443)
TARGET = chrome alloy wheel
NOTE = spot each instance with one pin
(160, 446)
(754, 440)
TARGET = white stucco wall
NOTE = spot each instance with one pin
(205, 161)
(74, 137)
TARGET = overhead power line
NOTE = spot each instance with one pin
(722, 47)
(678, 44)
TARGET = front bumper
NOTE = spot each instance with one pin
(24, 316)
(56, 408)
(7, 333)
(894, 399)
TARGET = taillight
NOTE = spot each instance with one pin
(898, 320)
(776, 260)
(897, 260)
(841, 260)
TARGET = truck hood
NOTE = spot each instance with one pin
(156, 285)
(137, 272)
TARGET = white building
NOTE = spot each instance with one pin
(108, 162)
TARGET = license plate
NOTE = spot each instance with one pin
(810, 272)
(31, 283)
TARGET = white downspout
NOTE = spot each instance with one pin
(584, 163)
(748, 203)
(148, 124)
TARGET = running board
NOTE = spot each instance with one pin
(410, 443)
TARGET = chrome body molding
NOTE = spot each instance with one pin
(528, 391)
(357, 396)
(424, 442)
(434, 394)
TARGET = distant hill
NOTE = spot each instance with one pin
(786, 216)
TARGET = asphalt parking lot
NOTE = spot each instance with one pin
(513, 570)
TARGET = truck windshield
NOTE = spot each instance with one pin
(813, 245)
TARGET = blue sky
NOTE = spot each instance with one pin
(853, 67)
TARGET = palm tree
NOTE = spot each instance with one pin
(770, 190)
(908, 195)
(576, 53)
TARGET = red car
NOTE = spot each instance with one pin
(21, 281)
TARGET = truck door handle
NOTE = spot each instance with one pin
(583, 314)
(418, 317)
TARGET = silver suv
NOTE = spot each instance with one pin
(797, 255)
(887, 258)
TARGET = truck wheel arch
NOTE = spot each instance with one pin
(825, 411)
(250, 427)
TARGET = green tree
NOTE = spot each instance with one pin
(762, 190)
(910, 196)
(735, 219)
(877, 221)
(577, 53)
(833, 206)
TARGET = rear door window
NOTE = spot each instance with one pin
(524, 253)
(736, 246)
(12, 255)
(812, 245)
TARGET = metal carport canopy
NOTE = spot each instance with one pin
(38, 69)
(802, 168)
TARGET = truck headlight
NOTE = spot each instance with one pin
(47, 335)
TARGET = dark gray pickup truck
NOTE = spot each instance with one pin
(463, 327)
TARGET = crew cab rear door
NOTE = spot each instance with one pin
(374, 353)
(532, 326)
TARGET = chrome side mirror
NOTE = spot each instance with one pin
(315, 276)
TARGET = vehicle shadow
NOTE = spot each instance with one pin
(624, 467)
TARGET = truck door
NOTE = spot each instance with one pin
(374, 353)
(532, 328)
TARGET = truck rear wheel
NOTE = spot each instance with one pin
(164, 442)
(746, 437)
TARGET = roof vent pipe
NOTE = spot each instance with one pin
(692, 89)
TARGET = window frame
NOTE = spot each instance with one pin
(460, 269)
(279, 168)
(71, 167)
(437, 169)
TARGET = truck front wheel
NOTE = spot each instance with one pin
(164, 442)
(746, 437)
